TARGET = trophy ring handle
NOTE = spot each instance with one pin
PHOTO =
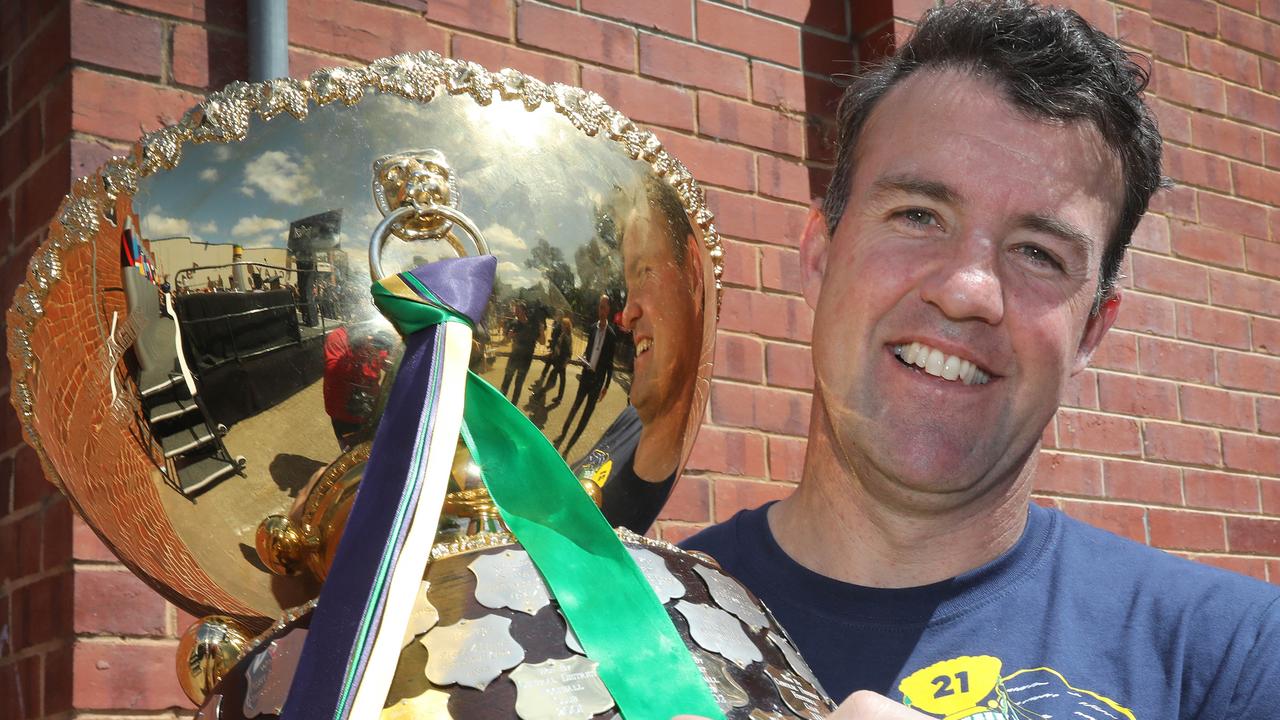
(380, 233)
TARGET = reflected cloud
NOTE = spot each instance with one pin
(281, 177)
(501, 237)
(209, 174)
(255, 225)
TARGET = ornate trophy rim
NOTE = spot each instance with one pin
(223, 117)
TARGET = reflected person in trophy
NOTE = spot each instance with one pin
(597, 372)
(664, 315)
(525, 334)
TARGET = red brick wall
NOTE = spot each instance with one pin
(1173, 437)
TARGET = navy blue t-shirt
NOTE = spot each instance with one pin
(1072, 622)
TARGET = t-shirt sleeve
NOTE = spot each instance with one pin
(1257, 693)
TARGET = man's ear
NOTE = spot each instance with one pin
(1095, 329)
(814, 243)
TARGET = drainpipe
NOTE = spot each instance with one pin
(268, 39)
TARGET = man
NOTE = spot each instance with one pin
(524, 335)
(597, 372)
(962, 269)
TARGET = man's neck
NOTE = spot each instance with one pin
(834, 526)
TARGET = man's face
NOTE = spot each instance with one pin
(602, 309)
(978, 233)
(662, 315)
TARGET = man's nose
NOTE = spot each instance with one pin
(630, 312)
(965, 284)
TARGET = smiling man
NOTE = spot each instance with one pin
(962, 270)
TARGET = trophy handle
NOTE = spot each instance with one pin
(384, 229)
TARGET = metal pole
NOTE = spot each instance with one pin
(268, 39)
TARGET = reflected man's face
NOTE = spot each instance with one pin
(663, 314)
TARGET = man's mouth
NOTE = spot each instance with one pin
(643, 346)
(939, 364)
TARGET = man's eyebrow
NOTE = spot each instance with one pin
(931, 189)
(1060, 229)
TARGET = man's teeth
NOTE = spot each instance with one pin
(947, 367)
(643, 346)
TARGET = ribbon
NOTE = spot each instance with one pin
(614, 612)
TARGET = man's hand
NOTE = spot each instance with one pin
(866, 705)
(862, 705)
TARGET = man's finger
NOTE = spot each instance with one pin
(866, 705)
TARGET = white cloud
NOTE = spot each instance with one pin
(256, 225)
(222, 153)
(282, 178)
(155, 226)
(502, 238)
(516, 275)
(210, 227)
(209, 174)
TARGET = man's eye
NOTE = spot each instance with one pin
(916, 216)
(1040, 256)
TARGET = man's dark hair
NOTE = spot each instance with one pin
(1051, 64)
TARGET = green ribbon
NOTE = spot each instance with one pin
(611, 607)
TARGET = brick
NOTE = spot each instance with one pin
(676, 533)
(1100, 13)
(780, 269)
(29, 544)
(116, 602)
(830, 57)
(642, 100)
(1221, 491)
(786, 458)
(1253, 567)
(1118, 351)
(1181, 444)
(1174, 121)
(1262, 257)
(1226, 137)
(86, 545)
(734, 495)
(1182, 530)
(1068, 475)
(1242, 371)
(118, 107)
(1190, 14)
(789, 366)
(1102, 434)
(1238, 216)
(1168, 43)
(748, 34)
(693, 65)
(117, 39)
(779, 87)
(362, 31)
(1270, 77)
(1257, 183)
(733, 452)
(1147, 314)
(1271, 150)
(1178, 201)
(1239, 28)
(1215, 327)
(497, 55)
(785, 179)
(40, 611)
(30, 486)
(20, 146)
(1270, 496)
(778, 411)
(304, 62)
(827, 16)
(1253, 107)
(1220, 408)
(580, 36)
(209, 60)
(1205, 244)
(1254, 535)
(1152, 234)
(739, 357)
(1175, 360)
(755, 218)
(1133, 27)
(713, 162)
(1197, 168)
(741, 264)
(1245, 292)
(221, 14)
(669, 16)
(1170, 277)
(1223, 60)
(1188, 88)
(43, 55)
(1081, 391)
(1266, 335)
(690, 501)
(750, 125)
(1251, 453)
(1123, 520)
(21, 682)
(1132, 395)
(58, 668)
(1143, 482)
(490, 17)
(126, 677)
